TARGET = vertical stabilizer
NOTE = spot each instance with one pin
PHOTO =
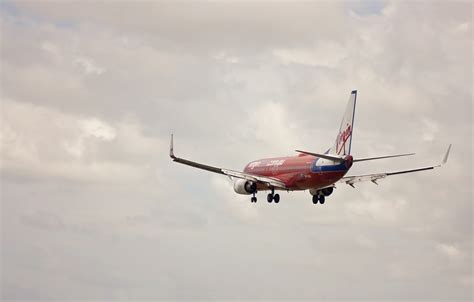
(342, 146)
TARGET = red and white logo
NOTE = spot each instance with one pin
(342, 139)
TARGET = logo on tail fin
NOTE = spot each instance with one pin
(342, 139)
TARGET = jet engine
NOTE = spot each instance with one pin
(325, 192)
(242, 186)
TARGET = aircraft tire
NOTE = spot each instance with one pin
(270, 197)
(315, 199)
(253, 199)
(276, 198)
(322, 199)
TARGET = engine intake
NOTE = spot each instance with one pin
(327, 191)
(246, 187)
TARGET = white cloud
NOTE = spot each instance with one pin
(375, 210)
(365, 241)
(467, 281)
(97, 128)
(269, 119)
(327, 54)
(449, 250)
(88, 66)
(429, 129)
(47, 143)
(397, 271)
(462, 28)
(222, 56)
(51, 48)
(89, 128)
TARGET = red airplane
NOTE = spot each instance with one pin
(315, 172)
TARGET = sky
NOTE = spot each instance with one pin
(92, 208)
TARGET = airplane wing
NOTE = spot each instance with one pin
(351, 180)
(269, 181)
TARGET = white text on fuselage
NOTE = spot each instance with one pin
(275, 162)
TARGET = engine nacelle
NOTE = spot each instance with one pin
(246, 187)
(325, 192)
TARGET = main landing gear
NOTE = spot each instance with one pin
(319, 198)
(270, 197)
(273, 197)
(320, 195)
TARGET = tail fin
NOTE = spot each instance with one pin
(342, 146)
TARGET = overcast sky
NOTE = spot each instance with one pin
(93, 208)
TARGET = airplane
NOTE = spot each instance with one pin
(317, 172)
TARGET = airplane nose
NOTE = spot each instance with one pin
(348, 161)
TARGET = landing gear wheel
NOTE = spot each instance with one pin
(322, 199)
(315, 199)
(270, 197)
(253, 199)
(276, 198)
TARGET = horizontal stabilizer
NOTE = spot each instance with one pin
(382, 157)
(335, 158)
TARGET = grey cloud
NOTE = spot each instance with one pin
(196, 26)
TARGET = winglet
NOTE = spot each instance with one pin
(445, 159)
(171, 148)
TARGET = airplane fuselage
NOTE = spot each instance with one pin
(299, 172)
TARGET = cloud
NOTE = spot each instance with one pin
(384, 211)
(324, 55)
(47, 143)
(430, 129)
(449, 250)
(97, 128)
(89, 66)
(365, 242)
